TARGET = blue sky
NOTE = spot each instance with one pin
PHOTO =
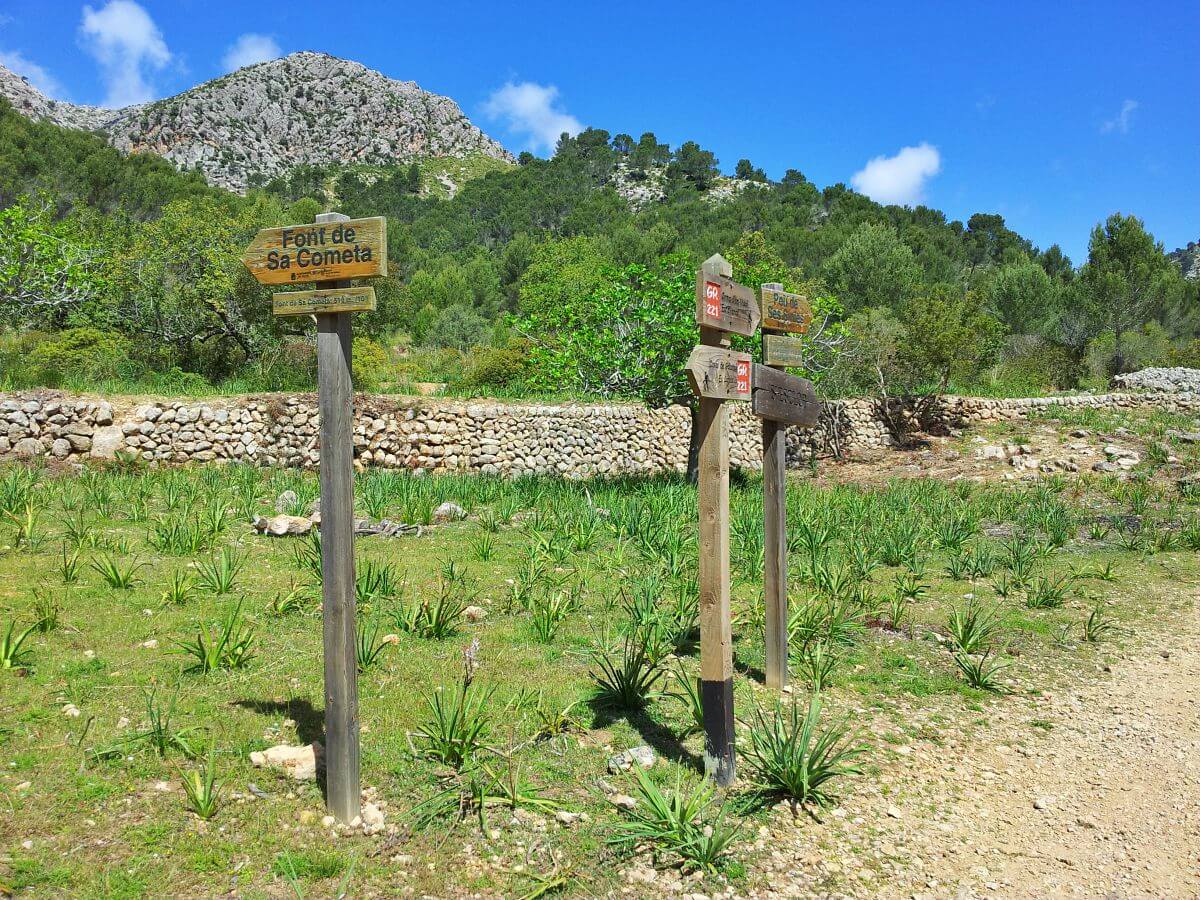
(1051, 114)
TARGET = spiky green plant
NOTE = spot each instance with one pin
(219, 574)
(202, 790)
(677, 822)
(972, 627)
(117, 573)
(456, 727)
(628, 681)
(12, 642)
(1097, 626)
(978, 672)
(793, 758)
(370, 646)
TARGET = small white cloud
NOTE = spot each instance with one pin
(1123, 121)
(128, 45)
(17, 62)
(531, 109)
(899, 179)
(249, 49)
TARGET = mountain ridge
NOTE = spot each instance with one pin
(265, 120)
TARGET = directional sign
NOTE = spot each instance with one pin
(783, 350)
(785, 398)
(783, 311)
(720, 374)
(328, 251)
(724, 304)
(332, 300)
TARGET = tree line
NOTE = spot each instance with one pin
(543, 279)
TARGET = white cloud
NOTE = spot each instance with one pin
(249, 49)
(38, 77)
(899, 179)
(1123, 121)
(128, 45)
(531, 109)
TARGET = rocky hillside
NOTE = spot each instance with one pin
(264, 120)
(1188, 259)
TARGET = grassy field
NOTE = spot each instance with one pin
(911, 593)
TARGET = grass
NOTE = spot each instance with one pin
(521, 723)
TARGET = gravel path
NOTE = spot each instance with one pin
(1090, 792)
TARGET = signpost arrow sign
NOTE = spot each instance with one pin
(783, 350)
(720, 374)
(785, 398)
(782, 311)
(325, 251)
(725, 305)
(332, 300)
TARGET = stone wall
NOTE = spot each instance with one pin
(445, 435)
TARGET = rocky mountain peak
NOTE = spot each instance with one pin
(267, 119)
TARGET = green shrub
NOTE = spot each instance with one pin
(80, 353)
(1031, 365)
(498, 366)
(370, 363)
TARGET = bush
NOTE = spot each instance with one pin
(80, 353)
(369, 362)
(1031, 365)
(498, 366)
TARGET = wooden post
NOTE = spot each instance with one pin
(716, 638)
(336, 401)
(775, 576)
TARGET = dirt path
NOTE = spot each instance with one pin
(1091, 792)
(1108, 804)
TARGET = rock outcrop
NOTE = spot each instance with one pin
(268, 119)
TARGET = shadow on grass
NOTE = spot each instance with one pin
(658, 736)
(310, 724)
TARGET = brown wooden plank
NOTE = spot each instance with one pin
(783, 350)
(303, 303)
(725, 305)
(324, 251)
(784, 311)
(720, 374)
(785, 398)
(335, 402)
(716, 631)
(775, 571)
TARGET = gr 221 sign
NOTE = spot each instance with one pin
(329, 251)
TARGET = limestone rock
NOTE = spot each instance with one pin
(298, 763)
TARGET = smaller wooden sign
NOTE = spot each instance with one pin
(785, 398)
(332, 300)
(783, 311)
(325, 251)
(724, 304)
(783, 350)
(720, 374)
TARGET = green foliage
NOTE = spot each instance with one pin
(202, 790)
(369, 362)
(629, 681)
(457, 725)
(677, 822)
(793, 758)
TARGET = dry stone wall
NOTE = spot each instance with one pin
(576, 441)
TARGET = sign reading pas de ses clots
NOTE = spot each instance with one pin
(331, 251)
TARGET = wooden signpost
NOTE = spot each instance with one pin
(787, 399)
(780, 400)
(304, 303)
(724, 305)
(718, 374)
(328, 253)
(783, 350)
(330, 250)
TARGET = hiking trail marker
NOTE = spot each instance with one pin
(718, 374)
(779, 400)
(327, 254)
(329, 250)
